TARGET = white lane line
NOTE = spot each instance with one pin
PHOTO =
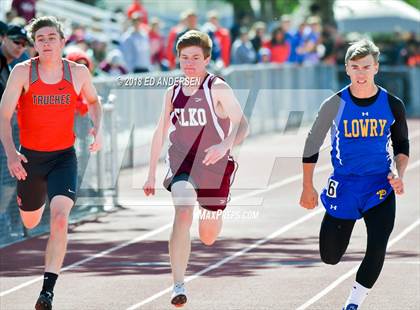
(167, 226)
(88, 259)
(284, 182)
(352, 271)
(247, 249)
(233, 256)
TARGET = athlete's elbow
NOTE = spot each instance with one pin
(4, 117)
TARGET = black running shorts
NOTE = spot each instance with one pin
(53, 173)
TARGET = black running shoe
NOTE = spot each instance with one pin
(44, 301)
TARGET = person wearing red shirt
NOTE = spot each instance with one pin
(278, 46)
(136, 7)
(223, 36)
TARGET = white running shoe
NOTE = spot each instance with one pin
(179, 295)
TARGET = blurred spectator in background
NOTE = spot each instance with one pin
(24, 8)
(264, 55)
(242, 50)
(24, 55)
(78, 34)
(173, 33)
(79, 38)
(412, 57)
(81, 57)
(278, 46)
(308, 50)
(313, 54)
(18, 21)
(10, 15)
(210, 29)
(329, 39)
(243, 20)
(257, 35)
(135, 46)
(3, 30)
(297, 47)
(191, 23)
(292, 37)
(137, 7)
(12, 47)
(114, 64)
(157, 45)
(222, 36)
(99, 47)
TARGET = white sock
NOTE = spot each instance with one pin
(357, 295)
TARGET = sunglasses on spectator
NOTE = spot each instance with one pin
(21, 43)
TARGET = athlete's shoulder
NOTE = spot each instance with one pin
(169, 95)
(219, 83)
(394, 100)
(334, 101)
(171, 90)
(76, 67)
(397, 105)
(21, 70)
(79, 72)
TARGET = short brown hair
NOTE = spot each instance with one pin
(361, 49)
(195, 38)
(44, 21)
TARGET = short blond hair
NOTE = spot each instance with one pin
(361, 49)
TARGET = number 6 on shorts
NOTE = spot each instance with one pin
(332, 188)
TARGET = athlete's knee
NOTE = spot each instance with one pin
(59, 221)
(209, 231)
(183, 216)
(208, 238)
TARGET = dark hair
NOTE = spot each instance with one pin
(274, 35)
(44, 21)
(195, 38)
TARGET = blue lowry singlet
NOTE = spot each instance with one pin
(360, 137)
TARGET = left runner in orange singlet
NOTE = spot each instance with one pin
(45, 90)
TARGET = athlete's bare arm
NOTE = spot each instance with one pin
(14, 87)
(227, 107)
(88, 92)
(309, 196)
(157, 142)
(396, 181)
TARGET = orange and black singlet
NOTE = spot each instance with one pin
(46, 112)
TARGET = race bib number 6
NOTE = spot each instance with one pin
(332, 188)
